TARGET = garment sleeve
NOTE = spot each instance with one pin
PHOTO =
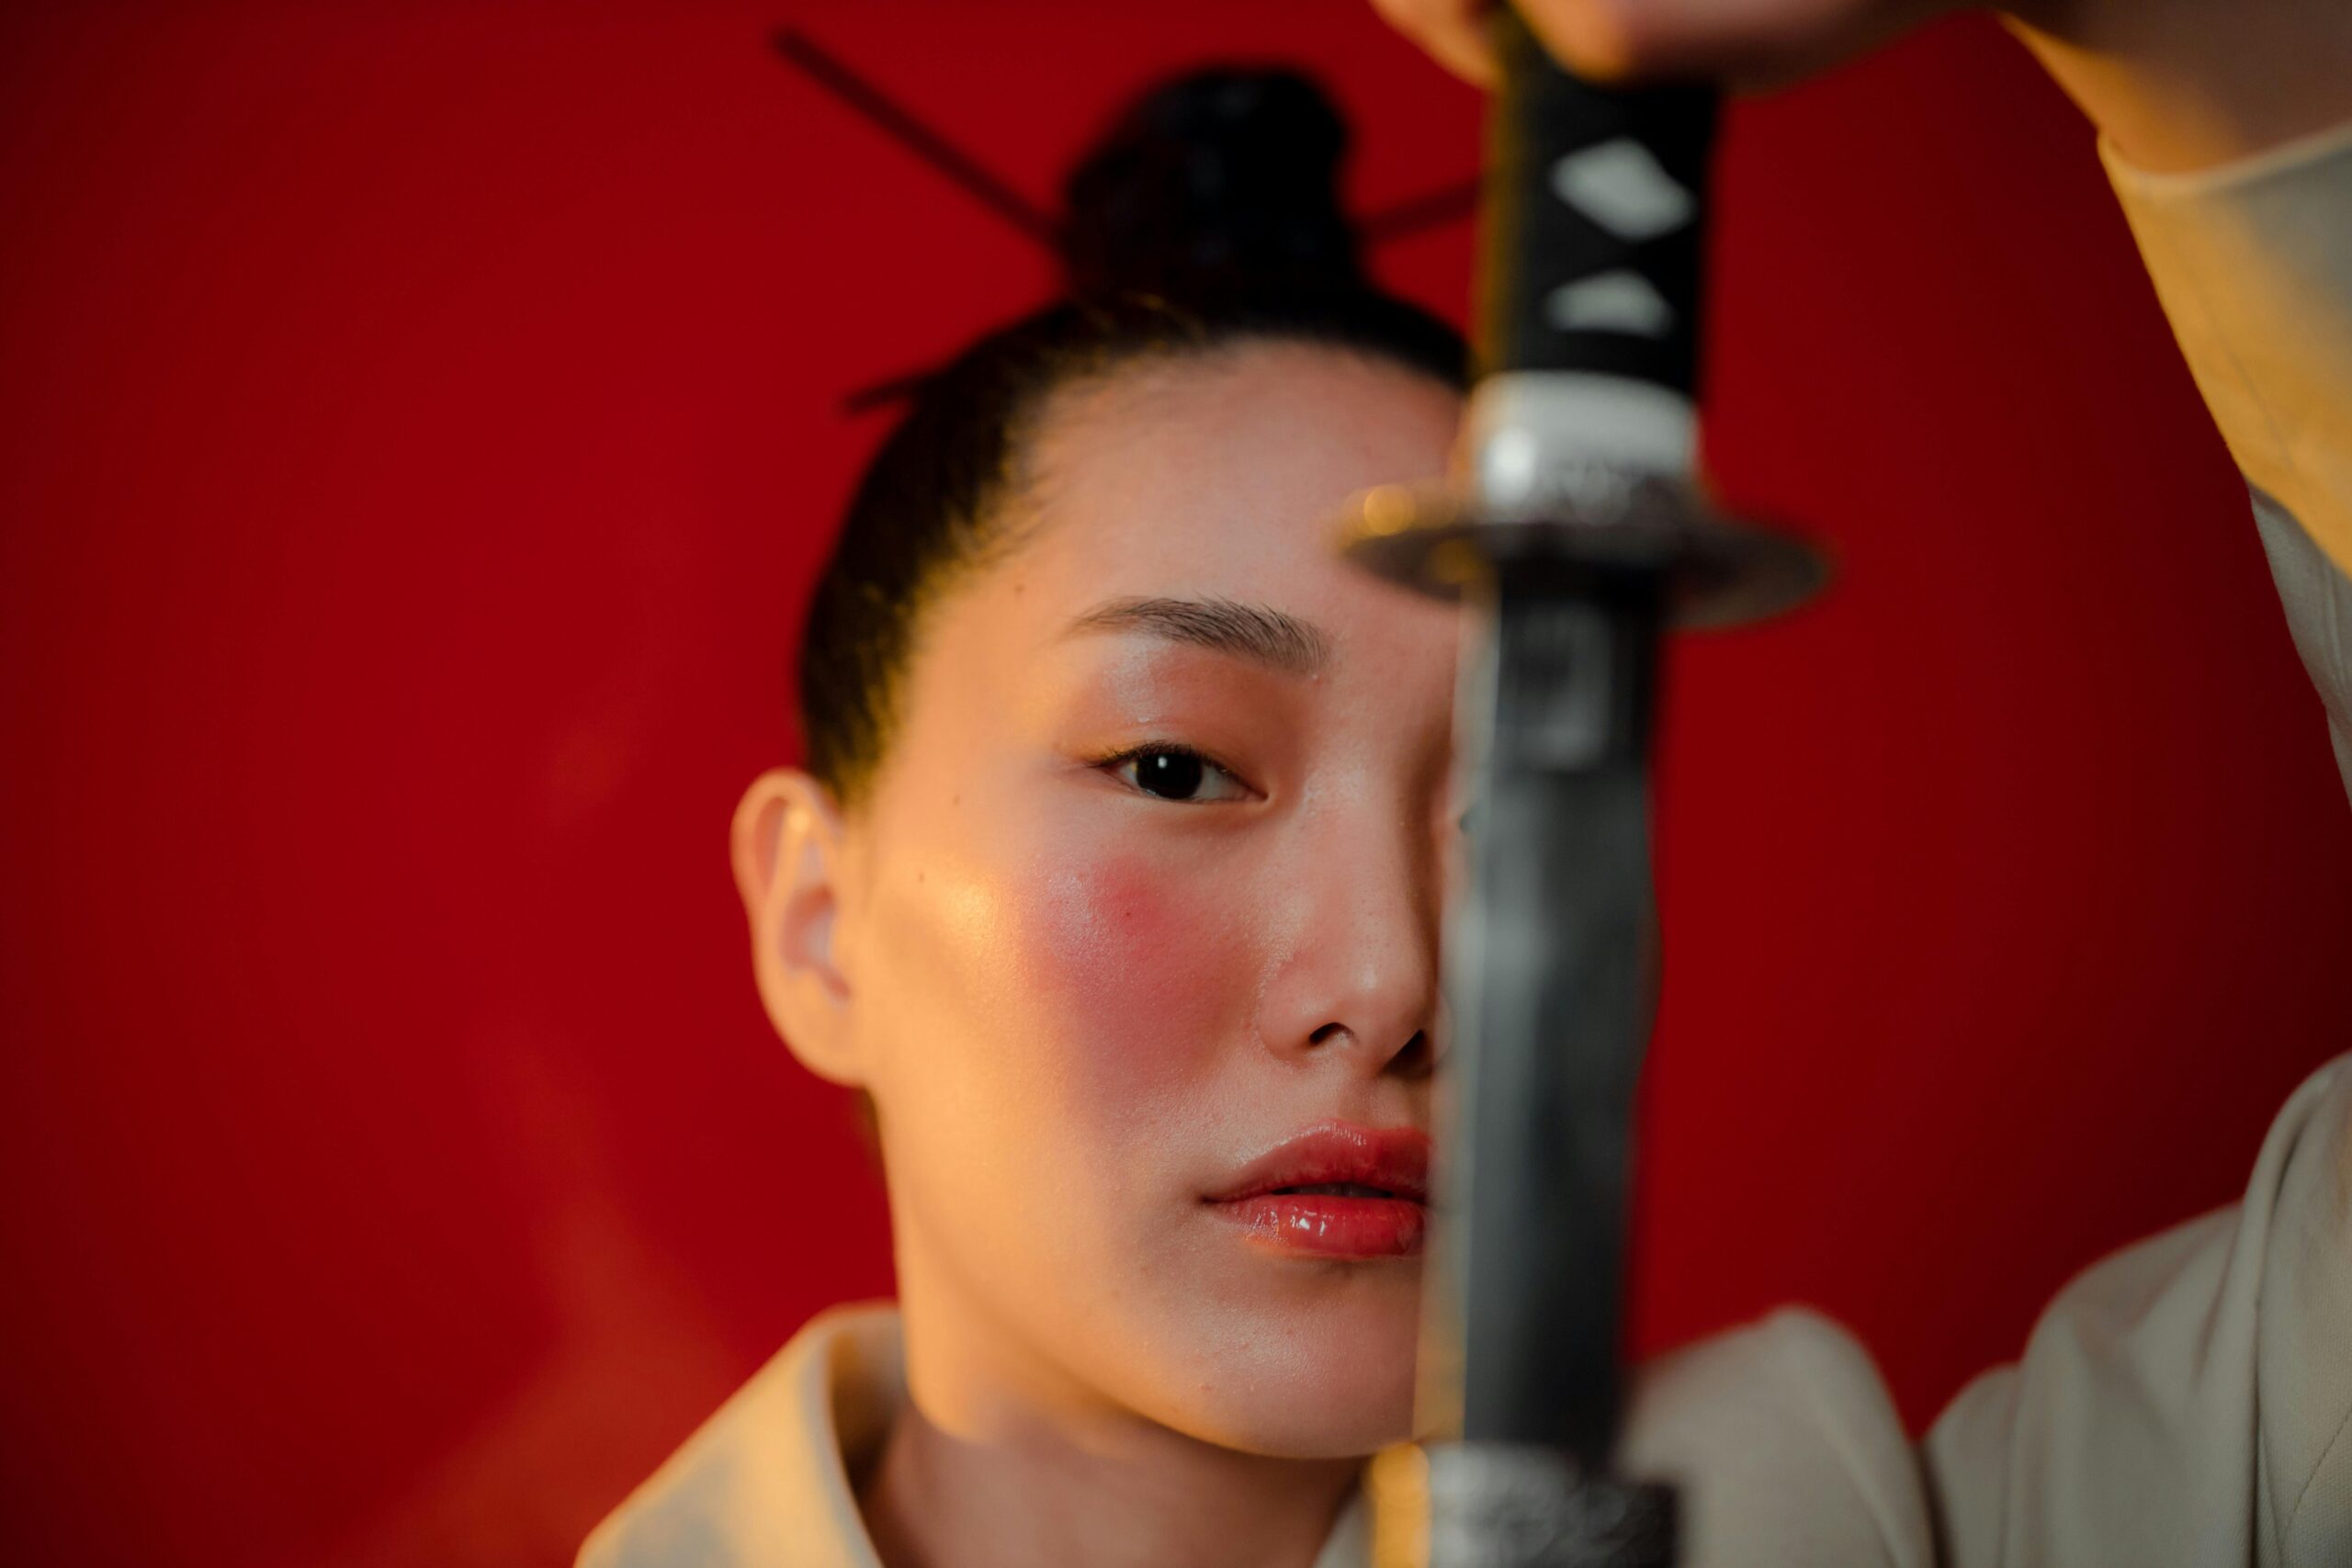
(1784, 1447)
(2253, 264)
(2183, 1403)
(2188, 1400)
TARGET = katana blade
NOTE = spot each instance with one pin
(1552, 982)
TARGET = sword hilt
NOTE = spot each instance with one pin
(1594, 223)
(1580, 438)
(1590, 283)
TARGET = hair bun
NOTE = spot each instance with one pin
(1224, 180)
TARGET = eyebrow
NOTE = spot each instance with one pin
(1255, 632)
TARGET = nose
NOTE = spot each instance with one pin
(1355, 974)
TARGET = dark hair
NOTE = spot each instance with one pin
(1207, 215)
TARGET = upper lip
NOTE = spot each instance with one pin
(1393, 1160)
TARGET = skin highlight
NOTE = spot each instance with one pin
(1082, 1007)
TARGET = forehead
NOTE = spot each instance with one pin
(1224, 472)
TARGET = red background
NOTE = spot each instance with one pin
(419, 426)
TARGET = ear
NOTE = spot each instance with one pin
(788, 847)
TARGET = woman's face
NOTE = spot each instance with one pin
(1141, 918)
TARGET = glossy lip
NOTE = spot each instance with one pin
(1395, 1160)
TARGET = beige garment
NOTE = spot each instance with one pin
(2181, 1404)
(2186, 1403)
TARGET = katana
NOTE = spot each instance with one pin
(1575, 533)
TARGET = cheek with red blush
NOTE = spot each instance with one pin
(1149, 978)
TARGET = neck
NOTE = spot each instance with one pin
(999, 1459)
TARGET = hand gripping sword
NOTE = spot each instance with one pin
(1574, 535)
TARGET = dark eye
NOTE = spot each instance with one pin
(1171, 773)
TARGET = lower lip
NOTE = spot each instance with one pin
(1325, 1224)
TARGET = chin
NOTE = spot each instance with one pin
(1333, 1383)
(1347, 1411)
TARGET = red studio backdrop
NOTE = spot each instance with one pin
(418, 426)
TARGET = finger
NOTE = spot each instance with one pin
(1453, 31)
(1749, 42)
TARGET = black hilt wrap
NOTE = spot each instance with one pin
(1594, 221)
